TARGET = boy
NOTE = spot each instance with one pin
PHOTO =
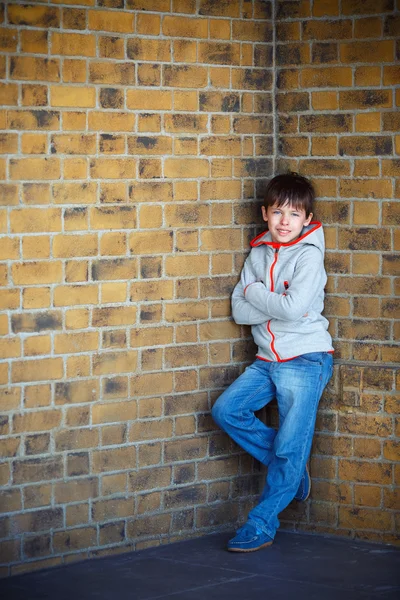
(281, 294)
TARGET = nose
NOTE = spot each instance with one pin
(284, 219)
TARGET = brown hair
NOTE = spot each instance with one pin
(292, 188)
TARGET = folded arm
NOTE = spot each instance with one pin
(308, 278)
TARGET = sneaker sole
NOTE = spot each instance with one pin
(250, 549)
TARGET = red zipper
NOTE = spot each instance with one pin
(271, 279)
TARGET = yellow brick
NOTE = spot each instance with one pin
(35, 168)
(368, 122)
(186, 168)
(78, 366)
(112, 72)
(186, 311)
(114, 362)
(116, 459)
(142, 242)
(76, 219)
(113, 193)
(73, 144)
(72, 96)
(76, 168)
(324, 146)
(8, 40)
(109, 316)
(75, 193)
(368, 167)
(33, 119)
(34, 220)
(185, 76)
(185, 27)
(113, 412)
(77, 318)
(150, 217)
(112, 144)
(378, 51)
(65, 246)
(36, 396)
(366, 213)
(70, 343)
(151, 290)
(33, 95)
(187, 101)
(107, 168)
(114, 292)
(36, 370)
(220, 28)
(161, 145)
(8, 197)
(368, 76)
(188, 146)
(73, 44)
(148, 24)
(76, 271)
(34, 143)
(75, 295)
(34, 16)
(9, 248)
(105, 20)
(187, 215)
(33, 273)
(9, 93)
(37, 421)
(148, 49)
(144, 385)
(221, 239)
(326, 77)
(4, 329)
(10, 348)
(34, 69)
(149, 123)
(186, 265)
(8, 143)
(74, 121)
(119, 217)
(114, 269)
(113, 244)
(185, 51)
(74, 71)
(37, 297)
(37, 246)
(151, 336)
(111, 47)
(37, 345)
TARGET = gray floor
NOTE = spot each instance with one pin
(297, 566)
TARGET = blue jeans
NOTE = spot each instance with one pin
(297, 386)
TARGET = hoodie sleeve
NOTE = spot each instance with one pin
(308, 282)
(243, 312)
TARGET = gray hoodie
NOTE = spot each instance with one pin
(281, 294)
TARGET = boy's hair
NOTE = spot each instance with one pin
(292, 188)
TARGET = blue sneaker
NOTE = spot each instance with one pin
(305, 487)
(248, 539)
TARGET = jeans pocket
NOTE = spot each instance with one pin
(315, 358)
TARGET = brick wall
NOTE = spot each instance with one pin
(135, 139)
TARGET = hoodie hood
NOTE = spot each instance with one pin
(311, 234)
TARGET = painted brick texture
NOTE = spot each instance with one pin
(135, 143)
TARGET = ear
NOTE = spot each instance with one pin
(308, 220)
(264, 213)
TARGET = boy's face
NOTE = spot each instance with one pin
(285, 223)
